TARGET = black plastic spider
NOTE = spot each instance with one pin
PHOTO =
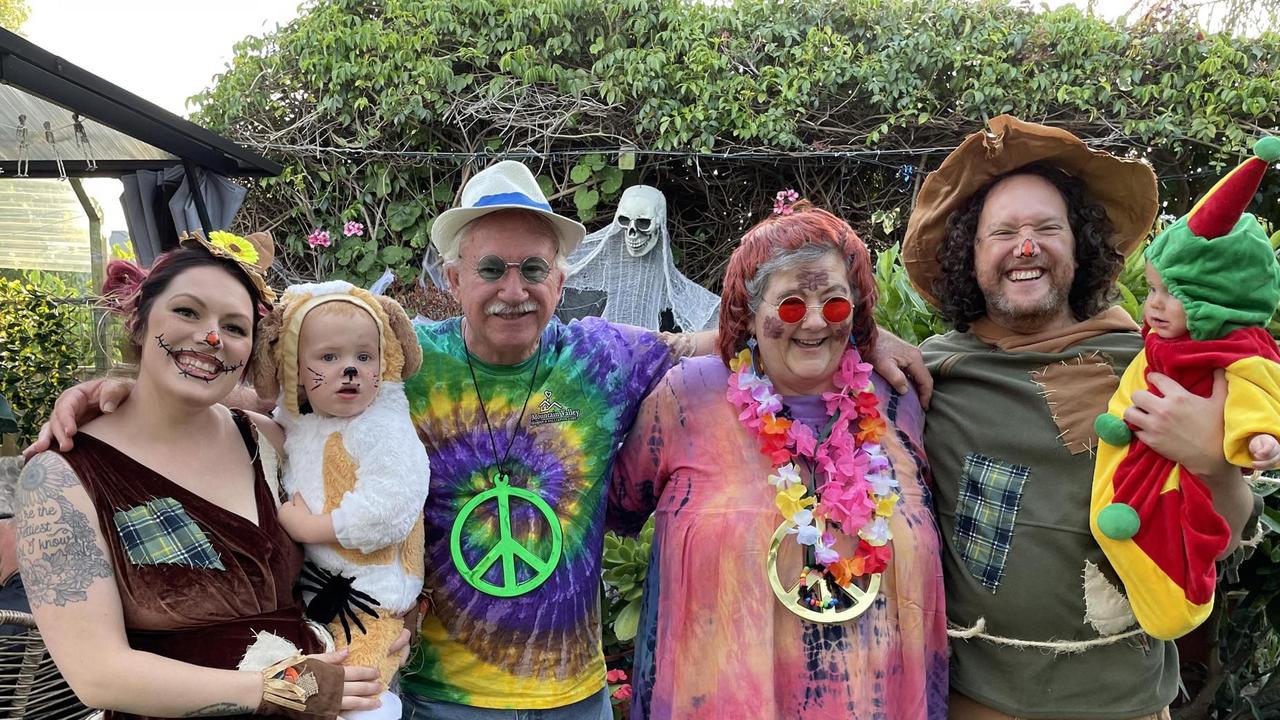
(334, 597)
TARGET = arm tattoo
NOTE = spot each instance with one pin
(58, 556)
(218, 709)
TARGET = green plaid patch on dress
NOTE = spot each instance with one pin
(985, 511)
(160, 532)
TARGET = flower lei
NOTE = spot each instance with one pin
(860, 491)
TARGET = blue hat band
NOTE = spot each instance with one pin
(512, 198)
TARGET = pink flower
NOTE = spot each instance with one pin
(804, 439)
(838, 460)
(848, 506)
(783, 201)
(623, 693)
(319, 238)
(616, 675)
(352, 228)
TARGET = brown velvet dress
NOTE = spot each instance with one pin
(178, 603)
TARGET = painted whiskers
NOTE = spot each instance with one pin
(860, 491)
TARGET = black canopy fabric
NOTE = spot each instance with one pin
(159, 206)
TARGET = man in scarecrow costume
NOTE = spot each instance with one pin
(1017, 239)
(1215, 285)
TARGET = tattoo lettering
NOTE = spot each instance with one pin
(773, 327)
(220, 709)
(812, 280)
(57, 553)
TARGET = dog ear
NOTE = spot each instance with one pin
(266, 363)
(402, 328)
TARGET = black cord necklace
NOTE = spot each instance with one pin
(502, 463)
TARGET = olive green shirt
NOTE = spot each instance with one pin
(1013, 503)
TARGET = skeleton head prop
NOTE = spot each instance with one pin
(624, 273)
(642, 213)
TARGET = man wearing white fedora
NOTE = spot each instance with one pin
(521, 417)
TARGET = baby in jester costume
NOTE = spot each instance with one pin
(334, 357)
(1215, 284)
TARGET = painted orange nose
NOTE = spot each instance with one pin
(211, 338)
(1027, 249)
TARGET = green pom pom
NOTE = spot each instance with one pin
(1268, 148)
(1118, 521)
(1112, 430)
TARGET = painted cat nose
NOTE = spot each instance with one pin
(350, 373)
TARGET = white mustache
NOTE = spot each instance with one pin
(501, 308)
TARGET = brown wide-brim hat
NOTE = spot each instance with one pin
(1126, 189)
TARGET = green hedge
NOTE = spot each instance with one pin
(46, 339)
(346, 93)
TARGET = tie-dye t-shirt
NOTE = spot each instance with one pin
(542, 648)
(714, 642)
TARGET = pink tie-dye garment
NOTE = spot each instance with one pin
(714, 642)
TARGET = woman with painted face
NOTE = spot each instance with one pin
(795, 569)
(161, 580)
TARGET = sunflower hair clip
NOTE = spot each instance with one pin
(253, 253)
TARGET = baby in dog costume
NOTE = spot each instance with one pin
(335, 358)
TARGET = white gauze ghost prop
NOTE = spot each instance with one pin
(630, 261)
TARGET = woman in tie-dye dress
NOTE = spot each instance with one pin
(786, 440)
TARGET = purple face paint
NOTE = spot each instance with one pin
(812, 279)
(773, 327)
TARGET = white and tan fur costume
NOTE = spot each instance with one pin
(369, 471)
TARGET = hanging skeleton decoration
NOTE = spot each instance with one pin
(82, 142)
(24, 147)
(57, 156)
(629, 263)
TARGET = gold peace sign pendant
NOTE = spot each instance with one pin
(849, 602)
(507, 549)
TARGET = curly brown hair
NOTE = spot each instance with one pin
(1097, 262)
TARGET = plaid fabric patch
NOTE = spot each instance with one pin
(160, 532)
(985, 511)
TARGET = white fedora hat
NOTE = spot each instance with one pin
(507, 185)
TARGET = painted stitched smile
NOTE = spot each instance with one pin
(191, 363)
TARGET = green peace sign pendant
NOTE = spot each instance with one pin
(507, 549)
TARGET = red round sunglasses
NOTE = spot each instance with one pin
(793, 309)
